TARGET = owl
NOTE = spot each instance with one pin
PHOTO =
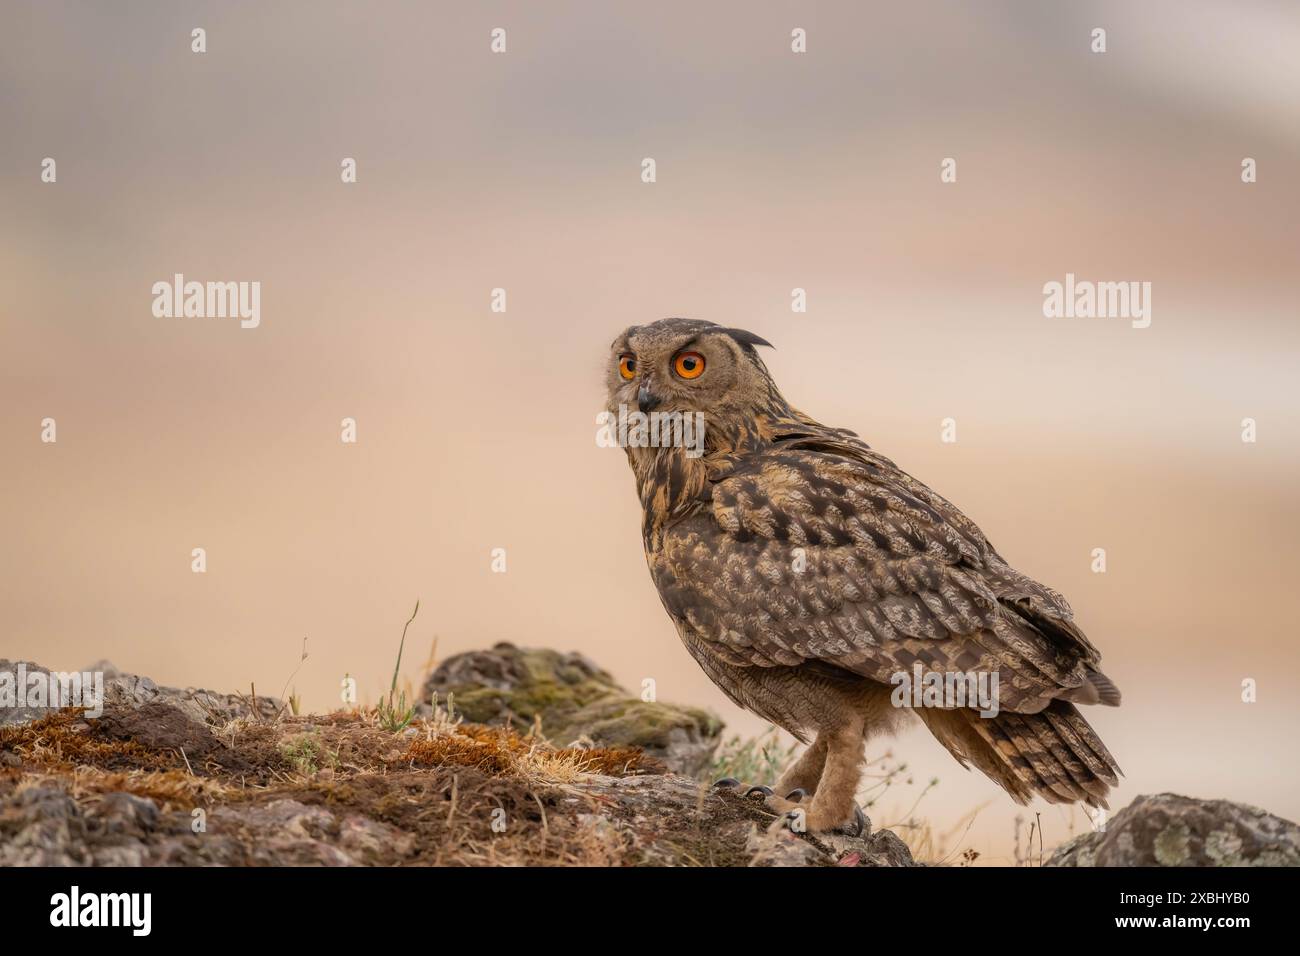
(817, 584)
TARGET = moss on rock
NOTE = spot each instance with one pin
(575, 701)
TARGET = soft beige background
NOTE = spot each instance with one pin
(476, 429)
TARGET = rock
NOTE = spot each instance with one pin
(159, 726)
(875, 848)
(122, 690)
(42, 826)
(17, 704)
(46, 826)
(369, 842)
(692, 823)
(779, 846)
(206, 706)
(125, 813)
(577, 702)
(287, 832)
(1170, 830)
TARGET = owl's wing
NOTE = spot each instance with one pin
(820, 551)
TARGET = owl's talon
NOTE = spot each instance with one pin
(858, 826)
(797, 794)
(765, 791)
(726, 783)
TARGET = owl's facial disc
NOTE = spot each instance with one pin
(686, 366)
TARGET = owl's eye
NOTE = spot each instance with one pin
(689, 365)
(627, 367)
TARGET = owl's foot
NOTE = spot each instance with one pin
(798, 811)
(761, 792)
(808, 820)
(796, 799)
(756, 792)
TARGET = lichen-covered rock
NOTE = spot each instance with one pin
(576, 702)
(1170, 830)
(517, 685)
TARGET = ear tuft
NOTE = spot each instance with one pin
(747, 338)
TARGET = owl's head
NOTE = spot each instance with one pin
(686, 365)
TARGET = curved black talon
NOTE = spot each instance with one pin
(797, 794)
(858, 826)
(765, 791)
(726, 783)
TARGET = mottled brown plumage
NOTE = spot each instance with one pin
(803, 570)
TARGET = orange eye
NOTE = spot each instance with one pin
(627, 367)
(689, 365)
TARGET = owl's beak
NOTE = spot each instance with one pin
(646, 399)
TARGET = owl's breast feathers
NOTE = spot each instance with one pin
(808, 548)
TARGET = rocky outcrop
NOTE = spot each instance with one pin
(661, 820)
(166, 776)
(192, 778)
(1166, 829)
(576, 702)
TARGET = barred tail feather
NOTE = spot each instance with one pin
(1053, 754)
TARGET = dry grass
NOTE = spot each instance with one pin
(170, 789)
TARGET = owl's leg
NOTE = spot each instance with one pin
(805, 773)
(834, 806)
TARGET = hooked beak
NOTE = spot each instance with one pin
(646, 399)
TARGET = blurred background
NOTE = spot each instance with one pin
(476, 429)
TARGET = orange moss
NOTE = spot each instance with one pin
(500, 752)
(493, 752)
(63, 740)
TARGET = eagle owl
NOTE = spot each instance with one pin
(805, 572)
